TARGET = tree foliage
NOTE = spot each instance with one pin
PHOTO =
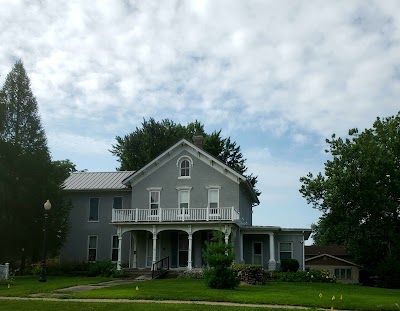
(359, 193)
(219, 256)
(138, 148)
(28, 177)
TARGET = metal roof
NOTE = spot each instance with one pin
(96, 180)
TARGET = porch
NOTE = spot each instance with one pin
(174, 214)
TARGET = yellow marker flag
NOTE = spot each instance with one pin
(320, 295)
(333, 297)
(8, 286)
(137, 287)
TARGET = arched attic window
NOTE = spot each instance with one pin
(184, 165)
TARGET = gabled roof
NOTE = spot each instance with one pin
(334, 257)
(81, 181)
(202, 155)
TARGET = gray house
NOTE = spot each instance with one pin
(170, 207)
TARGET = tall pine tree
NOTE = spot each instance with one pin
(27, 176)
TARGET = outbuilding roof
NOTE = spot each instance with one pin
(81, 181)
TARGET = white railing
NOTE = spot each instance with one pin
(174, 214)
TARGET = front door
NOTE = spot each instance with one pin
(183, 249)
(257, 253)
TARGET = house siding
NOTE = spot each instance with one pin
(76, 246)
(202, 176)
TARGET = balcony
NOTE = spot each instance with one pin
(174, 214)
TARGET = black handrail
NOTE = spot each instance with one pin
(160, 267)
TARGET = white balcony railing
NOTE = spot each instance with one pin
(174, 214)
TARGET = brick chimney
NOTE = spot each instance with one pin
(198, 141)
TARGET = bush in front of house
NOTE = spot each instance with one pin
(251, 274)
(289, 265)
(219, 257)
(313, 276)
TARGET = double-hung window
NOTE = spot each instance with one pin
(154, 200)
(184, 201)
(117, 203)
(213, 200)
(94, 209)
(154, 197)
(92, 248)
(285, 250)
(114, 248)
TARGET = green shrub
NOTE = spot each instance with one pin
(219, 257)
(103, 268)
(314, 276)
(289, 265)
(221, 278)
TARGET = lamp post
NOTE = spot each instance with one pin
(42, 276)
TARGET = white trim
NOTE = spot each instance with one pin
(159, 199)
(213, 187)
(209, 191)
(291, 249)
(88, 243)
(154, 188)
(98, 210)
(183, 188)
(184, 157)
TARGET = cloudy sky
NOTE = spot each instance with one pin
(278, 77)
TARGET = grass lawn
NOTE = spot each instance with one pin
(27, 285)
(96, 306)
(303, 294)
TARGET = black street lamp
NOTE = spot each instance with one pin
(42, 276)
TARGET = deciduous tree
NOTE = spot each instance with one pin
(359, 193)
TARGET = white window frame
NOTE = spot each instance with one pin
(98, 210)
(89, 248)
(210, 189)
(291, 249)
(179, 164)
(114, 248)
(262, 252)
(154, 211)
(181, 190)
(122, 201)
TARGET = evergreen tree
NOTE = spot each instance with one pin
(27, 176)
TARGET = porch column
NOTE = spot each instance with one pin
(271, 262)
(241, 260)
(190, 237)
(154, 245)
(119, 233)
(134, 261)
(227, 233)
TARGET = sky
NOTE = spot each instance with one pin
(278, 77)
